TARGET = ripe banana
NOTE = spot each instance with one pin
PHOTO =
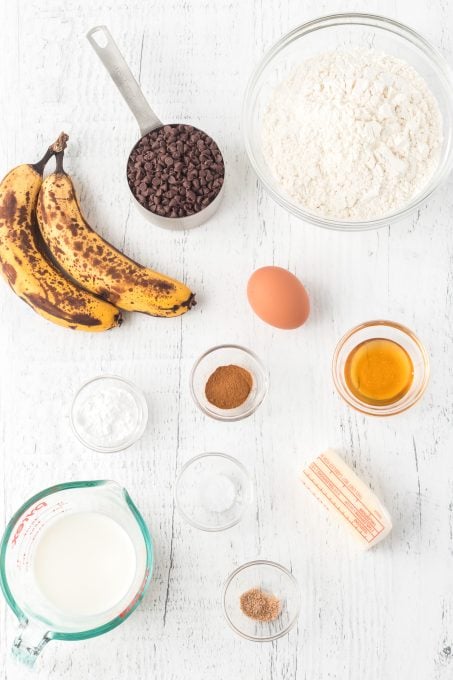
(94, 263)
(25, 266)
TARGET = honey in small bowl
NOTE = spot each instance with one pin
(379, 372)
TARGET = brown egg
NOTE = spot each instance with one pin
(278, 297)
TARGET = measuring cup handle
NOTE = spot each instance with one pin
(107, 50)
(29, 643)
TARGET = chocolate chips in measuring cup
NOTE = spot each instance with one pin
(175, 171)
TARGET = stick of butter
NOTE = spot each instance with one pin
(337, 486)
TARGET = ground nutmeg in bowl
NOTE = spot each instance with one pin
(259, 605)
(175, 170)
(229, 386)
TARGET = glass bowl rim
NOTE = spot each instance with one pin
(364, 409)
(274, 565)
(442, 68)
(238, 464)
(250, 411)
(140, 430)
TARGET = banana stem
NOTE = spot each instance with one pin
(60, 143)
(59, 163)
(54, 149)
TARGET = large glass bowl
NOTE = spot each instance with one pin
(346, 31)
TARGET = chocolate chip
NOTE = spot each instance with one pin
(175, 170)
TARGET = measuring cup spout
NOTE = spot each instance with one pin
(107, 50)
(112, 488)
(29, 642)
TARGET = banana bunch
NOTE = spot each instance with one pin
(67, 273)
(27, 268)
(94, 263)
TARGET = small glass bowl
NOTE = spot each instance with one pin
(272, 578)
(346, 31)
(390, 331)
(223, 355)
(124, 439)
(200, 486)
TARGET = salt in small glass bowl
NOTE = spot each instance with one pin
(271, 578)
(126, 439)
(388, 330)
(197, 490)
(223, 355)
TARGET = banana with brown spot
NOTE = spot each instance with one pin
(25, 266)
(94, 263)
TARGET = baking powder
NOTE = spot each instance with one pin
(352, 135)
(107, 416)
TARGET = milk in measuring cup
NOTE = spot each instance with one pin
(84, 564)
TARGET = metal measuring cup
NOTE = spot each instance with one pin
(107, 50)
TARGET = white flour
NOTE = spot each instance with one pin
(352, 135)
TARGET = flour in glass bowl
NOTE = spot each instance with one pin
(352, 135)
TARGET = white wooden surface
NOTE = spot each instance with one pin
(384, 615)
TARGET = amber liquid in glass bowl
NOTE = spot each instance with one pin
(379, 371)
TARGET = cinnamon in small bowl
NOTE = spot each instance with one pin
(228, 382)
(228, 386)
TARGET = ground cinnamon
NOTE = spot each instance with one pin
(259, 605)
(229, 386)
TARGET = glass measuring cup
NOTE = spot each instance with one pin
(39, 621)
(107, 50)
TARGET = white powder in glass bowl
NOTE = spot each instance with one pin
(352, 135)
(109, 413)
(218, 493)
(108, 416)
